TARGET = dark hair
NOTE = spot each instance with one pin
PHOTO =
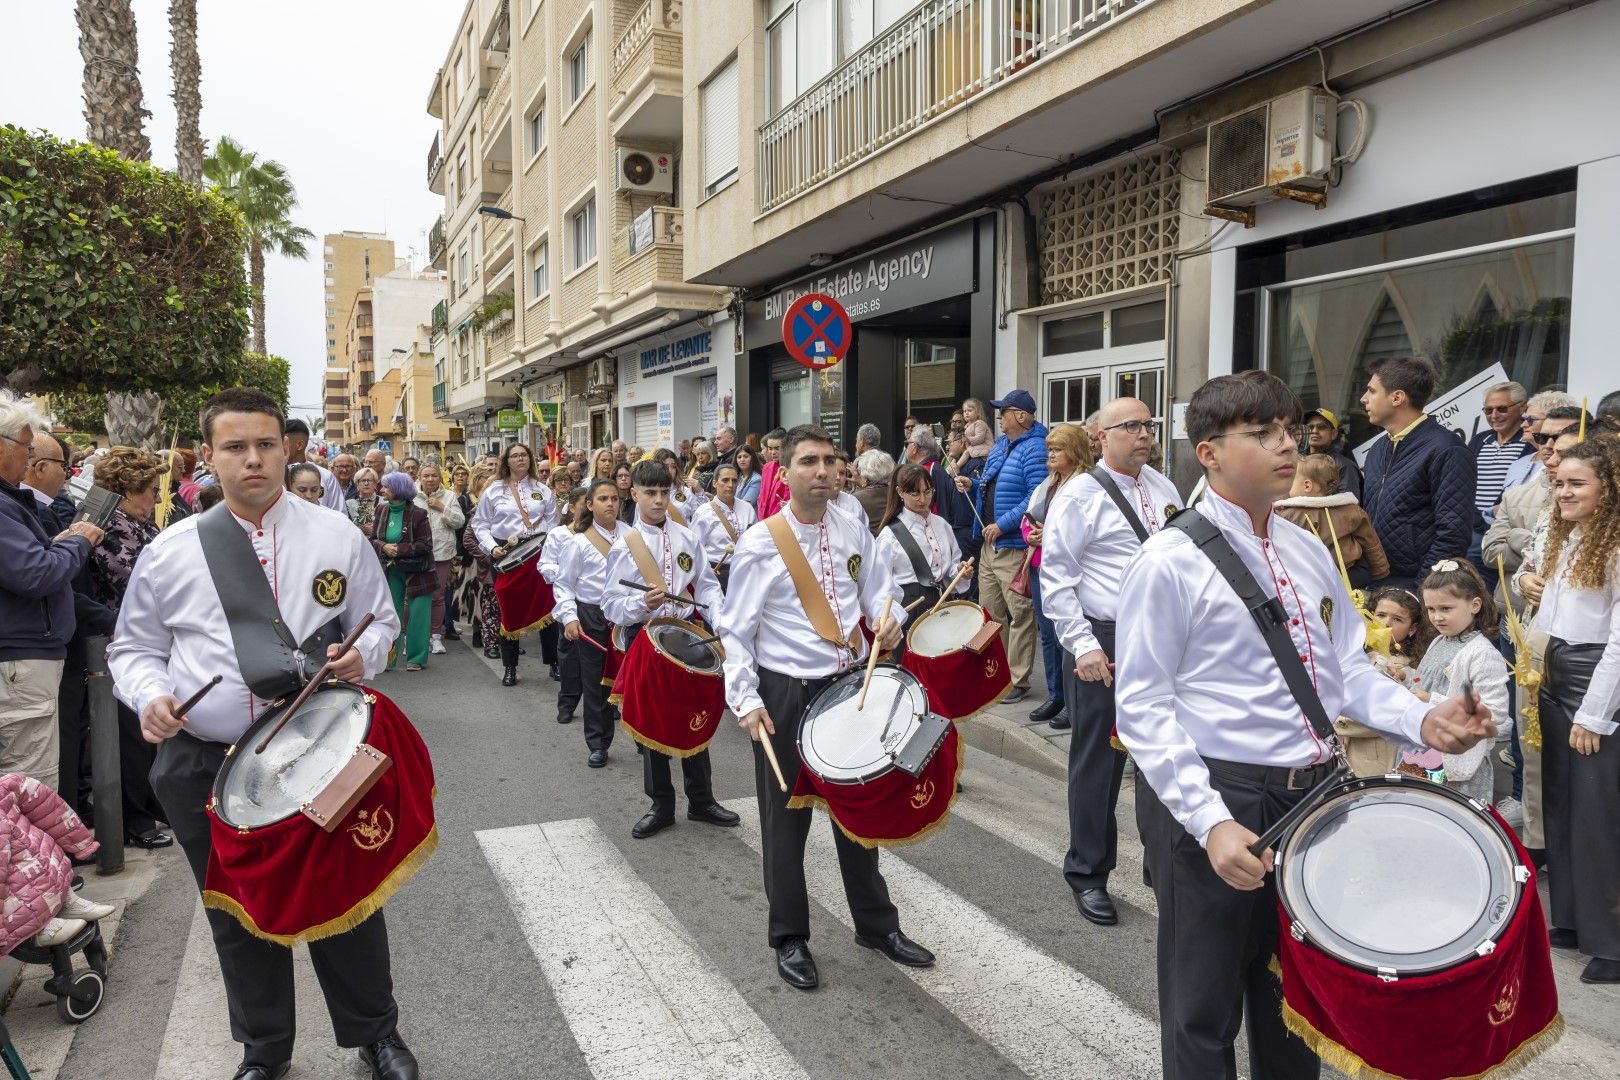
(301, 467)
(775, 433)
(1608, 406)
(651, 474)
(242, 399)
(906, 477)
(724, 465)
(1412, 375)
(802, 434)
(295, 427)
(663, 455)
(506, 459)
(587, 519)
(1466, 583)
(1248, 397)
(565, 516)
(1415, 646)
(1570, 412)
(753, 459)
(208, 496)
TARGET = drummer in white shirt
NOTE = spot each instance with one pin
(580, 586)
(1088, 540)
(570, 692)
(914, 540)
(1221, 746)
(720, 522)
(515, 506)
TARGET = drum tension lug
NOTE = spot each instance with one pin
(1387, 975)
(1521, 873)
(1486, 948)
(1296, 932)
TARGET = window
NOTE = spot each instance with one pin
(806, 38)
(540, 270)
(461, 170)
(579, 69)
(461, 75)
(331, 326)
(461, 271)
(537, 130)
(718, 107)
(331, 311)
(331, 281)
(329, 265)
(331, 297)
(582, 234)
(328, 249)
(331, 343)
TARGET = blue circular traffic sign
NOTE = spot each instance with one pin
(816, 331)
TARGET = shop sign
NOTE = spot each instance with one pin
(688, 352)
(666, 424)
(1459, 408)
(544, 413)
(509, 420)
(902, 276)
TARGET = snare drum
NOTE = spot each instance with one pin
(284, 875)
(885, 773)
(671, 687)
(525, 596)
(957, 652)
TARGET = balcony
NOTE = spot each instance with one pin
(646, 75)
(438, 400)
(436, 244)
(499, 241)
(932, 61)
(441, 318)
(499, 101)
(649, 249)
(363, 322)
(435, 167)
(363, 356)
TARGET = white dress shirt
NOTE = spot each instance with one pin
(1086, 546)
(581, 576)
(686, 501)
(712, 534)
(497, 516)
(172, 635)
(763, 625)
(1587, 617)
(937, 543)
(681, 565)
(551, 551)
(1195, 678)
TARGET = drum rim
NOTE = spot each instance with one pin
(930, 613)
(248, 738)
(691, 627)
(1288, 861)
(539, 542)
(914, 686)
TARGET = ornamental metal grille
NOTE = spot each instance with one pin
(1112, 230)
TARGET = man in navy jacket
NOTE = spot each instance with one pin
(1419, 487)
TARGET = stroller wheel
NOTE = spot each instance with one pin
(81, 1004)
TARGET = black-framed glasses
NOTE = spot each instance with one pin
(1542, 438)
(1135, 427)
(1271, 437)
(26, 446)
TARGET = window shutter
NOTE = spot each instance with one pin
(719, 119)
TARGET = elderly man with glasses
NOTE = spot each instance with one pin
(1495, 450)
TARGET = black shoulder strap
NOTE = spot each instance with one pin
(1100, 475)
(913, 550)
(272, 661)
(1267, 612)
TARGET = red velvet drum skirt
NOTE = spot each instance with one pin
(525, 598)
(670, 692)
(893, 809)
(957, 653)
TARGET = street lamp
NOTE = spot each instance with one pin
(517, 265)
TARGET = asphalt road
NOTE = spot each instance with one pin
(543, 941)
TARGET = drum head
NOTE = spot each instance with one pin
(1398, 875)
(945, 630)
(253, 790)
(679, 641)
(622, 634)
(845, 745)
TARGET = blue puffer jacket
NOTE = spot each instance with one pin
(1017, 469)
(1420, 496)
(36, 581)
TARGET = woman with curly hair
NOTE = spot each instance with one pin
(1580, 613)
(134, 475)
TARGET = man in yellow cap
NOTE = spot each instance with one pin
(1322, 435)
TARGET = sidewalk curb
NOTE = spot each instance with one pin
(1017, 742)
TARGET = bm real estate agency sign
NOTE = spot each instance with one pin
(931, 267)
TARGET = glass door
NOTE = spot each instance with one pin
(1089, 359)
(930, 379)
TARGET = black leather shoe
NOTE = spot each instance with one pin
(1599, 970)
(1047, 710)
(1015, 695)
(795, 964)
(492, 652)
(899, 948)
(565, 719)
(556, 673)
(262, 1072)
(509, 678)
(450, 634)
(151, 841)
(714, 814)
(597, 760)
(1559, 938)
(390, 1059)
(1097, 906)
(651, 824)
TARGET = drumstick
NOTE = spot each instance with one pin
(185, 706)
(770, 756)
(945, 594)
(314, 684)
(586, 637)
(1289, 819)
(912, 606)
(871, 661)
(673, 596)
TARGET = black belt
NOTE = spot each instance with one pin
(816, 681)
(1101, 624)
(1291, 778)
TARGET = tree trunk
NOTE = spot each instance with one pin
(134, 419)
(256, 280)
(112, 81)
(187, 67)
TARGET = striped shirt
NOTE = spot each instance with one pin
(1491, 463)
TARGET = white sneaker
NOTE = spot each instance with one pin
(57, 932)
(436, 646)
(78, 907)
(1512, 811)
(1506, 756)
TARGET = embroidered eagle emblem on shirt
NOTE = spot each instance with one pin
(854, 565)
(329, 588)
(684, 561)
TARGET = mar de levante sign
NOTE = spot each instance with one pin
(905, 275)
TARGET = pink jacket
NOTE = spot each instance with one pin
(37, 832)
(773, 490)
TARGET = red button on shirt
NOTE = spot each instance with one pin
(264, 562)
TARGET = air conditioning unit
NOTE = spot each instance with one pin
(1283, 149)
(602, 373)
(645, 170)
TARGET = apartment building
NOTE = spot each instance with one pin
(380, 346)
(1019, 193)
(563, 234)
(349, 260)
(335, 398)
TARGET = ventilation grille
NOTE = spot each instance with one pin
(1237, 154)
(1111, 230)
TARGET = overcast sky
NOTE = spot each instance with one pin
(333, 89)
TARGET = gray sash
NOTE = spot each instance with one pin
(913, 550)
(272, 661)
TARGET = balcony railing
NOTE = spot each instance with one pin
(363, 356)
(363, 322)
(928, 63)
(636, 31)
(438, 399)
(649, 249)
(434, 159)
(436, 241)
(441, 317)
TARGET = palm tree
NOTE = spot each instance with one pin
(263, 192)
(186, 65)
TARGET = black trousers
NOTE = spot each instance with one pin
(1580, 807)
(589, 662)
(1096, 770)
(657, 782)
(73, 731)
(1215, 944)
(551, 644)
(568, 665)
(784, 832)
(142, 811)
(353, 968)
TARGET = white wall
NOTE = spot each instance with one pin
(400, 303)
(681, 388)
(1533, 101)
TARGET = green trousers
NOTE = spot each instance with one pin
(415, 621)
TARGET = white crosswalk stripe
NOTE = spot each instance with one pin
(641, 998)
(1043, 1016)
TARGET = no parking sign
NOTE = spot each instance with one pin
(816, 331)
